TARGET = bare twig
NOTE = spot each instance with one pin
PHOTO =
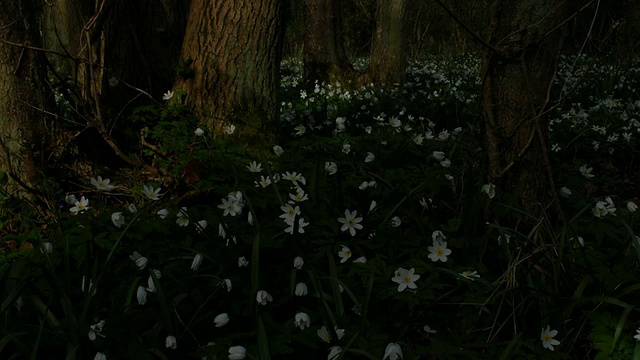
(8, 25)
(11, 172)
(569, 19)
(29, 47)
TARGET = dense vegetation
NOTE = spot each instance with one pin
(362, 235)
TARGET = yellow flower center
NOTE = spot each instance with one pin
(406, 278)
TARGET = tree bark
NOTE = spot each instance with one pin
(628, 39)
(140, 50)
(388, 59)
(115, 57)
(24, 98)
(325, 59)
(233, 50)
(517, 76)
(144, 51)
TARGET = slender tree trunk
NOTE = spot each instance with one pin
(23, 99)
(518, 75)
(144, 51)
(115, 58)
(66, 26)
(119, 43)
(325, 59)
(233, 49)
(628, 39)
(388, 60)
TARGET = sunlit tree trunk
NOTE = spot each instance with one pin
(23, 95)
(233, 50)
(388, 60)
(517, 76)
(325, 59)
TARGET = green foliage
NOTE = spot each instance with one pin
(408, 162)
(185, 71)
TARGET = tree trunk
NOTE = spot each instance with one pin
(388, 60)
(628, 37)
(141, 51)
(66, 26)
(518, 74)
(144, 51)
(233, 50)
(325, 59)
(113, 54)
(23, 122)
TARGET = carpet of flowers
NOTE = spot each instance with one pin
(359, 235)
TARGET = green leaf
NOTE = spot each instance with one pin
(335, 286)
(506, 354)
(158, 353)
(8, 338)
(620, 326)
(636, 352)
(263, 341)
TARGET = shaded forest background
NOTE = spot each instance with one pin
(102, 61)
(113, 109)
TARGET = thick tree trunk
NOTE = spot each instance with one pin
(23, 99)
(233, 50)
(388, 60)
(325, 59)
(518, 75)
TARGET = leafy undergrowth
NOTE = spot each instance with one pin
(362, 236)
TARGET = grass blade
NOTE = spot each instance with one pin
(263, 341)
